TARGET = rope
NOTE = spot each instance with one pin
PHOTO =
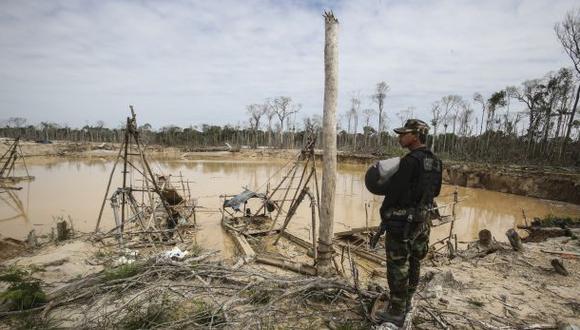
(278, 171)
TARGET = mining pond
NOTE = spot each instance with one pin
(74, 189)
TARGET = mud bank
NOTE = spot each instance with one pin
(555, 184)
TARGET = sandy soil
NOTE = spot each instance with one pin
(501, 289)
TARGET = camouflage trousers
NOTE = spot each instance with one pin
(404, 255)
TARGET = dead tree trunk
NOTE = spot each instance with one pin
(325, 251)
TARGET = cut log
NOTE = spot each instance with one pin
(287, 264)
(515, 240)
(571, 254)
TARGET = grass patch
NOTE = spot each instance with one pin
(203, 314)
(195, 249)
(475, 302)
(24, 292)
(554, 221)
(257, 296)
(353, 325)
(34, 321)
(123, 271)
(146, 318)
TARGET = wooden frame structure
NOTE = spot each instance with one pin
(260, 223)
(8, 163)
(159, 197)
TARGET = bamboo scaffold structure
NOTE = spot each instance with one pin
(299, 181)
(162, 207)
(8, 165)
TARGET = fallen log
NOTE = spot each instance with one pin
(287, 264)
(562, 253)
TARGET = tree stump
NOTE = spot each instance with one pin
(515, 240)
(485, 238)
(32, 240)
(62, 231)
(559, 267)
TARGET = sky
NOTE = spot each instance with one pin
(188, 63)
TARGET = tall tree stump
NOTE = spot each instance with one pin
(327, 199)
(515, 240)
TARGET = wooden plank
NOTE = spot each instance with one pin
(363, 253)
(353, 231)
(243, 246)
(262, 232)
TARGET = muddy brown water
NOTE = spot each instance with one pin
(75, 189)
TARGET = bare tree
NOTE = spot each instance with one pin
(368, 114)
(408, 113)
(256, 111)
(568, 32)
(465, 119)
(477, 97)
(16, 122)
(283, 107)
(353, 115)
(270, 113)
(381, 91)
(449, 103)
(435, 121)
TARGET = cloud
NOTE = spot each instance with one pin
(192, 62)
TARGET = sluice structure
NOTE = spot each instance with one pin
(9, 162)
(150, 206)
(251, 216)
(12, 162)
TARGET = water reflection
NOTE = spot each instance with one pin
(76, 188)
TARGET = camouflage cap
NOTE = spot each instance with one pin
(413, 126)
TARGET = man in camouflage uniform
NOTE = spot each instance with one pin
(408, 194)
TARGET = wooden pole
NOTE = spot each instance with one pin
(325, 251)
(107, 190)
(123, 199)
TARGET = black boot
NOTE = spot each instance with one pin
(409, 301)
(392, 315)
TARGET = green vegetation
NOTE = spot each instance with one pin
(554, 221)
(24, 292)
(204, 315)
(153, 316)
(123, 271)
(258, 296)
(475, 302)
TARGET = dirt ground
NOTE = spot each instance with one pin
(94, 285)
(504, 289)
